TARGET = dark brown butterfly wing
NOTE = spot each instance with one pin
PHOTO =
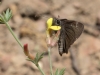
(70, 31)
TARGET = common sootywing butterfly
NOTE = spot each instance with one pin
(69, 32)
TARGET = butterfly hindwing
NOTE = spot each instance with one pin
(70, 31)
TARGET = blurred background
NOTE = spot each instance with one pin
(28, 23)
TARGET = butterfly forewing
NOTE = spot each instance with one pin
(70, 31)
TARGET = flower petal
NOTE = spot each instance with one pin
(55, 27)
(49, 22)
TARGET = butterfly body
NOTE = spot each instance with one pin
(69, 32)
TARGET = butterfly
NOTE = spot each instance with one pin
(69, 32)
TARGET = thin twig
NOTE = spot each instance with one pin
(40, 70)
(49, 49)
(11, 32)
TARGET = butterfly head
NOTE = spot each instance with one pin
(56, 22)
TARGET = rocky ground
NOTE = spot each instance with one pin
(28, 23)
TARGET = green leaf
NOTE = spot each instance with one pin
(62, 71)
(40, 56)
(36, 59)
(57, 72)
(7, 15)
(1, 19)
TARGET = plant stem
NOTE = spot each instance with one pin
(13, 33)
(49, 48)
(40, 70)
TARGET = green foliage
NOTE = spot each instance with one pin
(6, 16)
(61, 72)
(37, 58)
(57, 72)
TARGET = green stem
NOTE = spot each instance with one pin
(12, 32)
(49, 49)
(40, 70)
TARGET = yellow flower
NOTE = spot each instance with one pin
(50, 26)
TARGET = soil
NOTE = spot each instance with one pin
(29, 25)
